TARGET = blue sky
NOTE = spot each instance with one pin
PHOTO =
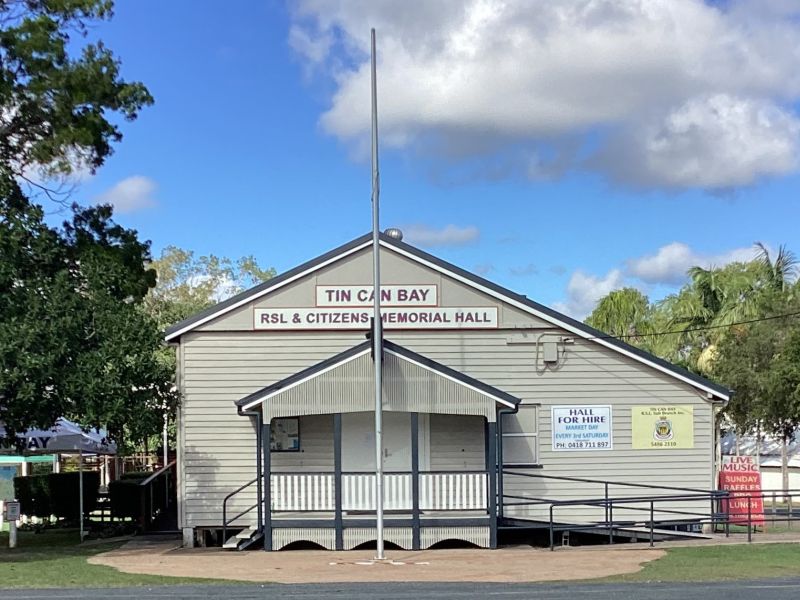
(560, 182)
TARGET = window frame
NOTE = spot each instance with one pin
(522, 434)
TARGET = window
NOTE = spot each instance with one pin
(284, 435)
(520, 437)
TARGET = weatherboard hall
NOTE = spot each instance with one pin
(490, 402)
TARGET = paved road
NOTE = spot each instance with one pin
(776, 589)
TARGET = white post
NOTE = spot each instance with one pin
(12, 533)
(165, 443)
(80, 491)
(377, 334)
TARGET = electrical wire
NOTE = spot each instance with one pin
(691, 329)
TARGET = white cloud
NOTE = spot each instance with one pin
(711, 142)
(130, 195)
(699, 92)
(449, 235)
(668, 266)
(584, 290)
(670, 263)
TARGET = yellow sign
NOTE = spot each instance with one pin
(662, 427)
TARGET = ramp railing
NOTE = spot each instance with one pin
(669, 507)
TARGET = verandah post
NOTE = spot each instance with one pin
(416, 542)
(337, 480)
(265, 445)
(491, 468)
(259, 481)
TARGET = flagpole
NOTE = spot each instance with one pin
(377, 333)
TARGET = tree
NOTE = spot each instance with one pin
(74, 339)
(622, 313)
(54, 107)
(188, 284)
(761, 362)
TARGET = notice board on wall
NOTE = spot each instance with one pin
(581, 428)
(662, 427)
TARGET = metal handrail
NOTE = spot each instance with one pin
(225, 521)
(165, 469)
(148, 505)
(716, 516)
(603, 482)
(610, 523)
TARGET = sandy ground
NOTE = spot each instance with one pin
(508, 565)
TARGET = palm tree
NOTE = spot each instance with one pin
(622, 313)
(780, 273)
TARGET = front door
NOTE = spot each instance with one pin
(358, 442)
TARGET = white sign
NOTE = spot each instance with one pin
(12, 511)
(412, 317)
(391, 295)
(581, 428)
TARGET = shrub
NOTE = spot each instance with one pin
(136, 475)
(125, 498)
(56, 494)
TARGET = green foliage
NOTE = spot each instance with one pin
(719, 332)
(125, 497)
(761, 362)
(74, 338)
(55, 107)
(188, 284)
(622, 313)
(57, 494)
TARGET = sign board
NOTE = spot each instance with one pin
(391, 295)
(740, 476)
(581, 428)
(12, 510)
(403, 306)
(411, 317)
(662, 427)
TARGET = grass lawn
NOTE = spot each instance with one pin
(54, 559)
(709, 563)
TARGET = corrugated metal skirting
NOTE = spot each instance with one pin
(401, 536)
(284, 536)
(474, 535)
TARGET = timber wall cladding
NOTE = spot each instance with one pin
(220, 368)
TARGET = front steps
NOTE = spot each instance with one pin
(244, 539)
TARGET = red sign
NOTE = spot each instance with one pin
(739, 475)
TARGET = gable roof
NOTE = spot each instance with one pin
(484, 285)
(364, 348)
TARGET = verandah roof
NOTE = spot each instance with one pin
(345, 383)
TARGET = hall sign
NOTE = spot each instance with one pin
(581, 428)
(350, 307)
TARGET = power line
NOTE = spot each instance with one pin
(691, 329)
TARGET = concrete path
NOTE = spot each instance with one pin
(507, 565)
